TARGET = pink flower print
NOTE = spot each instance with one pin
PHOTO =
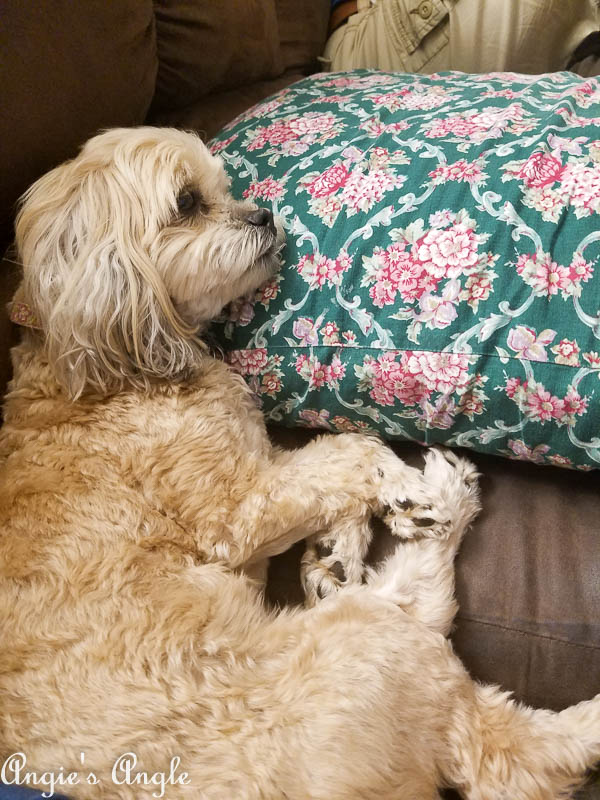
(397, 272)
(580, 270)
(396, 127)
(217, 147)
(263, 109)
(343, 262)
(274, 134)
(270, 384)
(373, 127)
(543, 406)
(350, 338)
(449, 252)
(560, 461)
(412, 280)
(571, 146)
(573, 404)
(545, 276)
(425, 100)
(476, 126)
(332, 98)
(526, 344)
(581, 186)
(513, 385)
(541, 169)
(310, 369)
(440, 414)
(318, 270)
(391, 381)
(301, 365)
(268, 291)
(352, 154)
(329, 181)
(459, 171)
(442, 218)
(500, 93)
(335, 371)
(293, 147)
(331, 333)
(305, 330)
(391, 100)
(566, 352)
(593, 359)
(440, 372)
(328, 209)
(363, 190)
(269, 189)
(345, 425)
(525, 453)
(477, 289)
(383, 293)
(318, 374)
(313, 122)
(439, 312)
(550, 277)
(471, 403)
(315, 419)
(248, 362)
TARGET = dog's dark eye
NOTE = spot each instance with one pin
(187, 201)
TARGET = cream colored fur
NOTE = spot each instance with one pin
(138, 492)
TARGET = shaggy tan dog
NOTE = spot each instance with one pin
(139, 490)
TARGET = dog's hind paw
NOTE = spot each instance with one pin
(334, 559)
(320, 576)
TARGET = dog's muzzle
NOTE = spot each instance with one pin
(262, 218)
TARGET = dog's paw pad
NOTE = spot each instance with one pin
(418, 521)
(322, 578)
(323, 550)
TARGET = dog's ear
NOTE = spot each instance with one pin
(107, 318)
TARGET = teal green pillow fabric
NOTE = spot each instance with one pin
(441, 279)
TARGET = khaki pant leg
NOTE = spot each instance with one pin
(531, 36)
(393, 35)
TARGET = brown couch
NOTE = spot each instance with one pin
(529, 572)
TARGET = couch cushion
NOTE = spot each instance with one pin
(68, 69)
(440, 280)
(204, 46)
(302, 31)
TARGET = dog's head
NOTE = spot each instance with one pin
(130, 248)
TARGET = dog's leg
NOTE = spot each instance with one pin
(331, 479)
(508, 751)
(419, 576)
(335, 558)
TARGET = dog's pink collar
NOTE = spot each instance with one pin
(22, 314)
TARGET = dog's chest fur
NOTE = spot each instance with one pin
(89, 488)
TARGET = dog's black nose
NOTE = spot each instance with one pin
(260, 218)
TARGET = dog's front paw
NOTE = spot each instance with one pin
(431, 503)
(409, 519)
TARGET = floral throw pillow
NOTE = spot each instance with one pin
(442, 270)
